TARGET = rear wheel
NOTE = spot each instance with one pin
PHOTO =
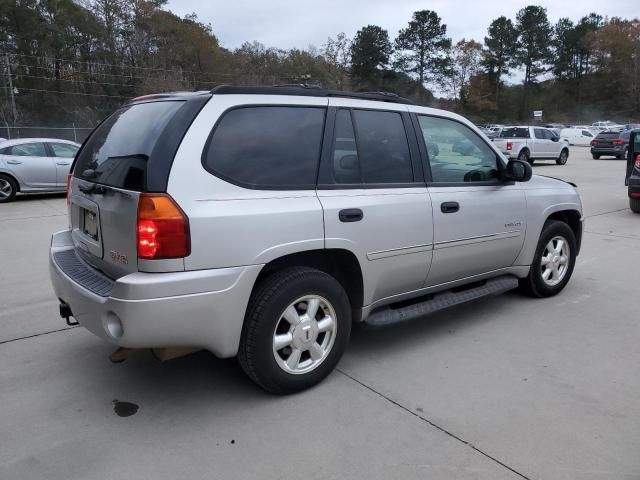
(296, 328)
(595, 157)
(8, 188)
(564, 156)
(554, 261)
(523, 156)
(623, 154)
(634, 205)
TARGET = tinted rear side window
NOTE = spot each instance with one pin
(118, 151)
(515, 133)
(267, 147)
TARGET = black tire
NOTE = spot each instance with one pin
(534, 285)
(595, 157)
(564, 156)
(9, 188)
(634, 205)
(268, 302)
(624, 154)
(523, 156)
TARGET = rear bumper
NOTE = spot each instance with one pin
(617, 150)
(203, 308)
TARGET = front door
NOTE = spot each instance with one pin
(30, 163)
(479, 220)
(374, 201)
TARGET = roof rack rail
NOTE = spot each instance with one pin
(307, 91)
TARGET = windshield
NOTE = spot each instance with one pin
(117, 152)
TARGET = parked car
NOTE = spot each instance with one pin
(632, 126)
(605, 125)
(555, 126)
(632, 178)
(577, 136)
(248, 221)
(532, 143)
(614, 143)
(30, 165)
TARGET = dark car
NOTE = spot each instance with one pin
(632, 179)
(614, 143)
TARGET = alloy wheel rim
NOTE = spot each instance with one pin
(5, 188)
(555, 261)
(304, 334)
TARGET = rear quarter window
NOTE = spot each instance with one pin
(271, 147)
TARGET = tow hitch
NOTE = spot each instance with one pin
(65, 312)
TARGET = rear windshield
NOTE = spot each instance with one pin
(514, 132)
(117, 152)
(609, 135)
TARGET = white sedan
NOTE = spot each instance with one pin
(31, 165)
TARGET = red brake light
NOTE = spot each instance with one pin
(509, 145)
(594, 142)
(618, 141)
(163, 228)
(68, 185)
(637, 162)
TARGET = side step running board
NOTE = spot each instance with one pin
(442, 300)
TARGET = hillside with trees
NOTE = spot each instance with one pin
(65, 60)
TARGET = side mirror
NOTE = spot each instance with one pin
(518, 171)
(349, 162)
(555, 139)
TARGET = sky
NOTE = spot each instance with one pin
(288, 24)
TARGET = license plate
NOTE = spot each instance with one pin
(90, 224)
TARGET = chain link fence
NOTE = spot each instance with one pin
(76, 134)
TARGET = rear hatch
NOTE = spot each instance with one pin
(605, 139)
(129, 153)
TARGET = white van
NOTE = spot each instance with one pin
(577, 136)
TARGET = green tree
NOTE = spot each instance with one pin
(370, 51)
(421, 48)
(501, 45)
(534, 32)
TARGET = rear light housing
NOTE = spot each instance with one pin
(509, 146)
(637, 162)
(618, 141)
(162, 228)
(68, 186)
(594, 142)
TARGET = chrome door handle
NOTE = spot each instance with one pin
(63, 163)
(13, 162)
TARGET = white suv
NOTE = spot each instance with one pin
(262, 221)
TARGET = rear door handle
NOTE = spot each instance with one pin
(449, 207)
(350, 215)
(63, 163)
(13, 162)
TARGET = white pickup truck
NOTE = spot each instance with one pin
(532, 143)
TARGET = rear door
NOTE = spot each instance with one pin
(63, 154)
(479, 221)
(374, 200)
(31, 165)
(110, 173)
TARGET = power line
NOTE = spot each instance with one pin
(75, 93)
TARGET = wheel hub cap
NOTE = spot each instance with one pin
(304, 334)
(555, 261)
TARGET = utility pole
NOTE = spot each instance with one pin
(13, 99)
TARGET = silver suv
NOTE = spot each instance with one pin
(260, 222)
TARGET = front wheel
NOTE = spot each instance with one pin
(634, 205)
(554, 261)
(564, 156)
(296, 328)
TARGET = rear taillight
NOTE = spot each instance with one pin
(594, 142)
(163, 228)
(618, 141)
(509, 146)
(637, 162)
(68, 186)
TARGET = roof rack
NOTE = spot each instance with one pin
(307, 91)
